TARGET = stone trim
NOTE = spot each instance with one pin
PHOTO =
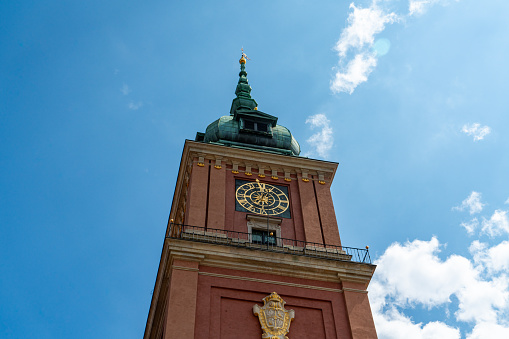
(274, 282)
(185, 268)
(346, 289)
(284, 264)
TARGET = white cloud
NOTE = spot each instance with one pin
(497, 224)
(481, 300)
(363, 25)
(323, 140)
(507, 201)
(489, 330)
(494, 259)
(419, 6)
(470, 226)
(355, 73)
(412, 274)
(472, 203)
(356, 45)
(476, 131)
(134, 106)
(359, 35)
(416, 7)
(125, 89)
(395, 325)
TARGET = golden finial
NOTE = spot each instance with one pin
(244, 57)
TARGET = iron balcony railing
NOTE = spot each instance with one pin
(270, 243)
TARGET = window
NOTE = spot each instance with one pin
(252, 126)
(261, 127)
(262, 237)
(249, 125)
(264, 230)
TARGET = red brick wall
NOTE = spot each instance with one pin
(313, 217)
(224, 309)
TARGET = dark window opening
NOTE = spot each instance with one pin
(256, 126)
(262, 237)
(249, 124)
(261, 127)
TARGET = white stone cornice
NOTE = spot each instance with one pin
(244, 259)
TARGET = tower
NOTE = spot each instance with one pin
(252, 247)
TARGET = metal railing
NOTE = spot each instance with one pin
(279, 245)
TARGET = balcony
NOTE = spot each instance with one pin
(268, 242)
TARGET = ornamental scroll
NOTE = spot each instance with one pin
(274, 318)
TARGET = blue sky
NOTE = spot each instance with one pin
(97, 98)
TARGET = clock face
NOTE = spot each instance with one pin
(261, 198)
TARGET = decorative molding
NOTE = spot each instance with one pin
(187, 256)
(183, 268)
(218, 164)
(281, 264)
(248, 170)
(260, 158)
(261, 171)
(321, 178)
(274, 174)
(346, 289)
(235, 168)
(305, 177)
(273, 282)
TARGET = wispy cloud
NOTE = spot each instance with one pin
(135, 105)
(125, 89)
(476, 130)
(359, 36)
(497, 224)
(355, 73)
(357, 49)
(419, 6)
(363, 25)
(323, 140)
(470, 226)
(473, 203)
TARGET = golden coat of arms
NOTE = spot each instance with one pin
(274, 318)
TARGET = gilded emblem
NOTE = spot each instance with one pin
(274, 318)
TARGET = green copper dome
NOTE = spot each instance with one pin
(226, 130)
(248, 127)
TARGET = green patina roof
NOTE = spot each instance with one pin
(236, 130)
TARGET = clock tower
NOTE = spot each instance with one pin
(252, 247)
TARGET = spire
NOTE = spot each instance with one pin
(243, 90)
(247, 127)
